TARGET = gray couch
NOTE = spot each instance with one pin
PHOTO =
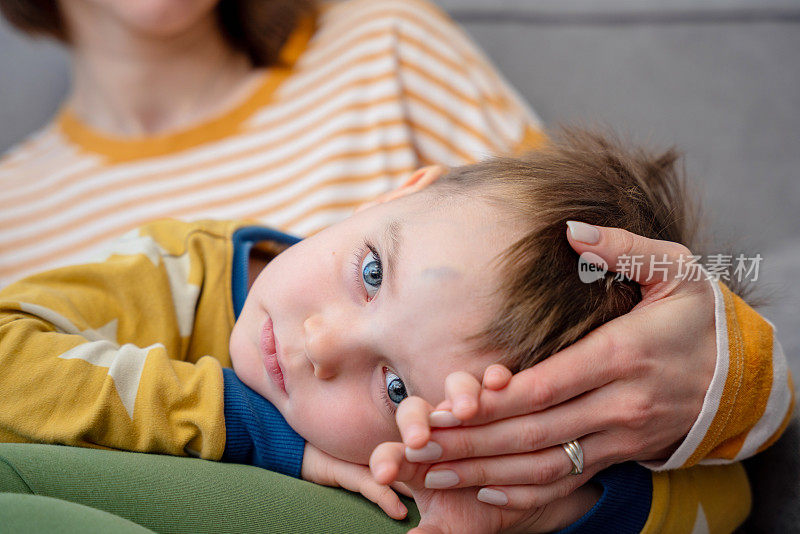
(719, 78)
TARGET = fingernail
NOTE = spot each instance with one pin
(585, 233)
(429, 452)
(490, 496)
(443, 418)
(441, 479)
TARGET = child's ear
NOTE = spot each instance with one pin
(421, 179)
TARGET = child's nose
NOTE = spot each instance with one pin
(326, 343)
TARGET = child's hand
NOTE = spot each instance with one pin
(324, 469)
(462, 392)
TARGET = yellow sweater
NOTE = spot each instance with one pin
(126, 351)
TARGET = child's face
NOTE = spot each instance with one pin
(351, 339)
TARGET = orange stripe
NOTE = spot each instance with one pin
(330, 206)
(434, 13)
(338, 204)
(223, 180)
(286, 119)
(195, 166)
(121, 228)
(499, 101)
(91, 194)
(343, 180)
(119, 150)
(396, 15)
(532, 139)
(748, 384)
(36, 214)
(19, 153)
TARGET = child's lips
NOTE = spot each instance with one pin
(269, 351)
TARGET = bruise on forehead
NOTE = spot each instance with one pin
(442, 272)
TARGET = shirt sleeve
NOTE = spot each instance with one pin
(256, 432)
(751, 396)
(623, 506)
(713, 499)
(91, 356)
(459, 107)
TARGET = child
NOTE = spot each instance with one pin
(130, 351)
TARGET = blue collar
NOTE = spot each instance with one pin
(243, 240)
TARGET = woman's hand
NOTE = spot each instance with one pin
(322, 468)
(630, 390)
(457, 510)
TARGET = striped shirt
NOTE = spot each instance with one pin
(368, 92)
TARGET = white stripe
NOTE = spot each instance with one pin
(318, 221)
(780, 397)
(276, 162)
(184, 205)
(290, 135)
(31, 146)
(713, 395)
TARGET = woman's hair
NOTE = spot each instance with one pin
(257, 27)
(577, 175)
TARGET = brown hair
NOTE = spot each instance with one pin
(578, 175)
(256, 27)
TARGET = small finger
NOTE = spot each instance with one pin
(585, 415)
(386, 461)
(388, 464)
(383, 496)
(496, 376)
(462, 389)
(412, 420)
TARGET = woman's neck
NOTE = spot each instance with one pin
(129, 83)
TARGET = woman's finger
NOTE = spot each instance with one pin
(540, 467)
(526, 497)
(582, 416)
(412, 420)
(658, 266)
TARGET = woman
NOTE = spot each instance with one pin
(264, 110)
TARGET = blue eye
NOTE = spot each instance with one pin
(372, 273)
(395, 388)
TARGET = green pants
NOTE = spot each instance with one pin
(87, 490)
